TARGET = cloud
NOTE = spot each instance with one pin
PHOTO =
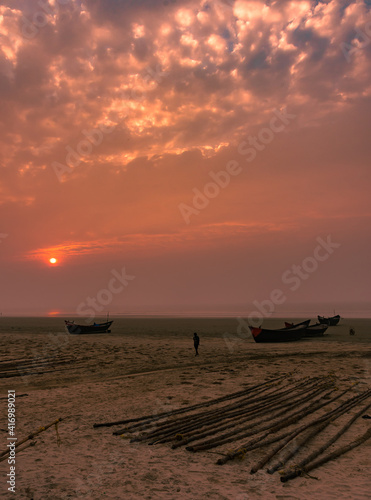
(181, 84)
(85, 66)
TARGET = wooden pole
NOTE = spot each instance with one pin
(286, 476)
(337, 453)
(31, 436)
(203, 414)
(213, 425)
(195, 420)
(273, 412)
(32, 443)
(259, 442)
(303, 438)
(284, 422)
(190, 408)
(231, 456)
(338, 411)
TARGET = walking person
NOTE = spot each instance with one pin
(196, 342)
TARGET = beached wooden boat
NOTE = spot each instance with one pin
(334, 320)
(280, 335)
(317, 330)
(303, 324)
(75, 329)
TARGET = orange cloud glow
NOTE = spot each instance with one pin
(115, 114)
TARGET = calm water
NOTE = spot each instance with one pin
(181, 327)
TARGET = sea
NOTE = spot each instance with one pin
(181, 327)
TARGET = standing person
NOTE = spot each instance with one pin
(196, 342)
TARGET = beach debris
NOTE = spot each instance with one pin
(287, 418)
(36, 433)
(319, 425)
(283, 412)
(331, 456)
(193, 426)
(261, 442)
(300, 467)
(36, 365)
(157, 416)
(18, 450)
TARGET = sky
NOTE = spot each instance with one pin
(185, 157)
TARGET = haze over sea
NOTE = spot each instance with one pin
(179, 327)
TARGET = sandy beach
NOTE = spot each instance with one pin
(137, 370)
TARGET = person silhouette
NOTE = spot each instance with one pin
(196, 342)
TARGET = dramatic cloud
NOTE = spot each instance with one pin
(117, 116)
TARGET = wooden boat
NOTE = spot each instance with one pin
(317, 330)
(94, 328)
(303, 323)
(280, 335)
(334, 320)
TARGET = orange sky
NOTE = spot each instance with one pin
(118, 121)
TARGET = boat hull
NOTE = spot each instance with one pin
(303, 323)
(333, 321)
(74, 329)
(316, 330)
(261, 335)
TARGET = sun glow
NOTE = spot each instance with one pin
(53, 260)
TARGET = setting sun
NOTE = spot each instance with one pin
(53, 260)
